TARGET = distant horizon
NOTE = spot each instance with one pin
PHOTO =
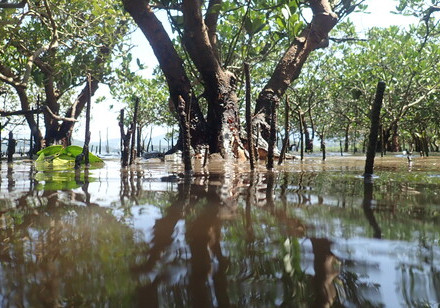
(23, 142)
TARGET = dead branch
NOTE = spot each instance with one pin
(58, 118)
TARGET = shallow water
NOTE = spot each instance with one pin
(309, 234)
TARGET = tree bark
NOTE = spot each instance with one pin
(125, 140)
(249, 130)
(138, 142)
(211, 23)
(374, 130)
(133, 130)
(301, 134)
(286, 132)
(314, 36)
(184, 124)
(220, 84)
(272, 137)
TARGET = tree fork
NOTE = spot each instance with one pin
(314, 36)
(374, 130)
(170, 63)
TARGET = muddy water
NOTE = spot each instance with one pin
(309, 234)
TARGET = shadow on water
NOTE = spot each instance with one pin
(308, 235)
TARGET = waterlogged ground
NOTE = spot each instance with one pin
(310, 234)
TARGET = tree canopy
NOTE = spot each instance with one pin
(308, 51)
(49, 47)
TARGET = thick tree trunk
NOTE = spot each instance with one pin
(288, 69)
(170, 63)
(392, 138)
(52, 125)
(220, 84)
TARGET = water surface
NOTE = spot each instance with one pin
(309, 234)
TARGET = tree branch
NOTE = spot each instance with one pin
(290, 65)
(418, 101)
(211, 18)
(58, 118)
(20, 112)
(51, 45)
(197, 42)
(7, 76)
(431, 10)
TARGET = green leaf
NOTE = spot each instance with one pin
(178, 20)
(280, 22)
(139, 64)
(297, 28)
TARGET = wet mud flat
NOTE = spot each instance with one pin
(308, 234)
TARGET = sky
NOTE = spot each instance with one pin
(103, 118)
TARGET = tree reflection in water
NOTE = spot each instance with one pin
(225, 239)
(56, 252)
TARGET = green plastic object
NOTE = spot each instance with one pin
(67, 154)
